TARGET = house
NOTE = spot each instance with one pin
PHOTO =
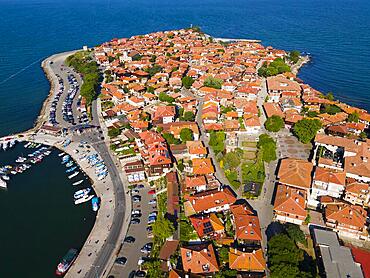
(172, 194)
(213, 200)
(272, 109)
(196, 149)
(278, 84)
(159, 159)
(252, 124)
(167, 251)
(295, 173)
(164, 115)
(247, 260)
(328, 182)
(208, 226)
(246, 225)
(176, 127)
(135, 171)
(197, 183)
(289, 205)
(349, 155)
(348, 220)
(199, 259)
(202, 166)
(357, 193)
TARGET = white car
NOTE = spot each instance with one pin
(135, 211)
(152, 202)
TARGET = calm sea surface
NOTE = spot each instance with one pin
(37, 219)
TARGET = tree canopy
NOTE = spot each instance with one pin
(170, 139)
(166, 98)
(294, 56)
(353, 117)
(266, 148)
(213, 82)
(331, 109)
(305, 130)
(275, 67)
(153, 70)
(274, 123)
(217, 141)
(186, 134)
(162, 228)
(187, 81)
(188, 116)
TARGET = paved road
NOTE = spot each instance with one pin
(132, 250)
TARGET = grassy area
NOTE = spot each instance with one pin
(249, 144)
(249, 155)
(253, 171)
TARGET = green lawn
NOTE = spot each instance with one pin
(249, 144)
(253, 171)
(249, 155)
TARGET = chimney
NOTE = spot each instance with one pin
(193, 202)
(296, 200)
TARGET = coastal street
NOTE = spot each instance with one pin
(96, 256)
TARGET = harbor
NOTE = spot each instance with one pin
(39, 212)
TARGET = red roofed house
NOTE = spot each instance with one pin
(164, 115)
(290, 204)
(246, 224)
(199, 259)
(347, 220)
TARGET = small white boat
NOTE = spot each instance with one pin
(4, 186)
(84, 199)
(5, 146)
(73, 175)
(81, 193)
(61, 154)
(78, 182)
(5, 177)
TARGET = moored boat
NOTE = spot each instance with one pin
(95, 203)
(3, 184)
(84, 199)
(73, 175)
(78, 182)
(81, 193)
(66, 262)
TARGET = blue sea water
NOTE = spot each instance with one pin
(335, 32)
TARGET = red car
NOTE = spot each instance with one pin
(151, 192)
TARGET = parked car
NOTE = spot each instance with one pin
(147, 248)
(151, 192)
(153, 213)
(152, 202)
(136, 215)
(136, 200)
(121, 260)
(140, 273)
(149, 229)
(135, 221)
(139, 186)
(136, 211)
(129, 239)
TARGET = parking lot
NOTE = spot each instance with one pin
(132, 251)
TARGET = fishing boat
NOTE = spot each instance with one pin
(84, 199)
(95, 203)
(73, 175)
(61, 154)
(78, 182)
(66, 262)
(5, 177)
(3, 184)
(20, 159)
(69, 164)
(71, 169)
(5, 146)
(81, 193)
(102, 176)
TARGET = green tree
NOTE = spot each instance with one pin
(153, 59)
(213, 82)
(170, 139)
(232, 160)
(187, 82)
(136, 57)
(153, 268)
(353, 117)
(162, 228)
(295, 233)
(188, 116)
(274, 123)
(223, 255)
(153, 70)
(266, 148)
(186, 134)
(217, 141)
(294, 56)
(312, 114)
(363, 135)
(166, 98)
(187, 232)
(305, 130)
(114, 132)
(331, 109)
(275, 67)
(330, 96)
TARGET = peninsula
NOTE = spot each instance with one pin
(221, 161)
